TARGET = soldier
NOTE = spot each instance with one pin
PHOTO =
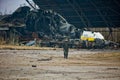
(66, 48)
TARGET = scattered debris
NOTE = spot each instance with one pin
(34, 66)
(48, 59)
(30, 43)
(112, 68)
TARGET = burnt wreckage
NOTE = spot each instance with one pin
(46, 25)
(39, 23)
(49, 23)
(42, 22)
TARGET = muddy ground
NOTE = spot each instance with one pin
(50, 65)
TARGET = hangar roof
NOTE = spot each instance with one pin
(86, 13)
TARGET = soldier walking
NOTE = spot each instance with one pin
(66, 48)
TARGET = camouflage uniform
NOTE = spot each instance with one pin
(65, 49)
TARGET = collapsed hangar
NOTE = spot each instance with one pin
(95, 15)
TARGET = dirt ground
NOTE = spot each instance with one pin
(50, 65)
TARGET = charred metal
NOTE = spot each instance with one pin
(42, 27)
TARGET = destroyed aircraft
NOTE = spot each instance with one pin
(48, 23)
(40, 24)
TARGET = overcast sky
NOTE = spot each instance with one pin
(9, 6)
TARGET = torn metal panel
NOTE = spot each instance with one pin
(4, 28)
